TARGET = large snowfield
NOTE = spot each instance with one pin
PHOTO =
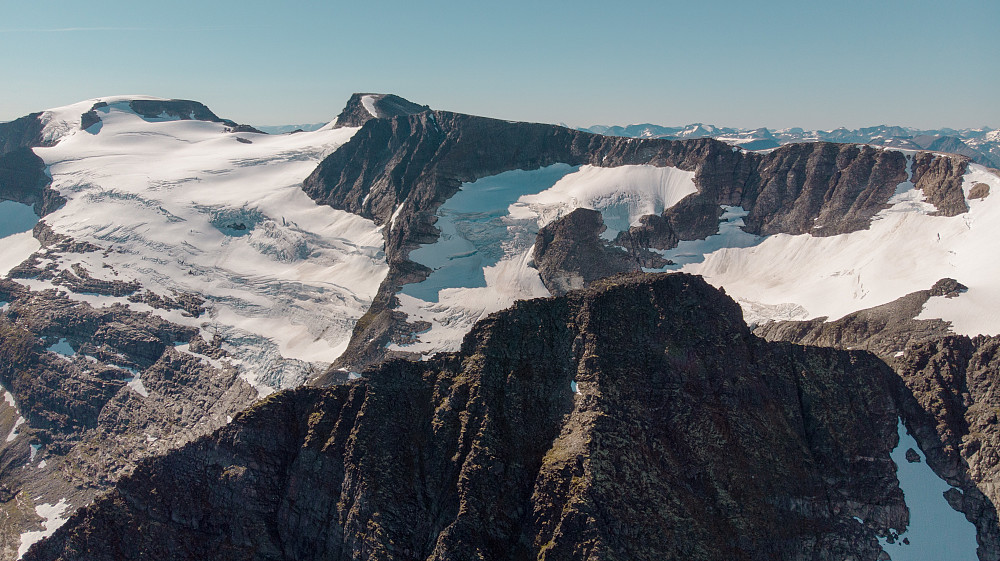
(186, 206)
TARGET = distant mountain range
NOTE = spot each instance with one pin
(284, 129)
(982, 145)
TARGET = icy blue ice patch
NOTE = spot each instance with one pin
(936, 531)
(62, 347)
(473, 229)
(16, 218)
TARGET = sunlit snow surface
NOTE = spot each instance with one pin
(482, 261)
(905, 250)
(936, 531)
(182, 205)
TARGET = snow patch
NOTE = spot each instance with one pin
(368, 102)
(622, 194)
(13, 431)
(136, 384)
(905, 250)
(51, 521)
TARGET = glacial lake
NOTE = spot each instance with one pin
(16, 218)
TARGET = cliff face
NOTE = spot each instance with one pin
(638, 419)
(22, 173)
(402, 169)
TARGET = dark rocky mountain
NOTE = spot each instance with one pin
(638, 419)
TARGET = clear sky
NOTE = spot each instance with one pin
(748, 64)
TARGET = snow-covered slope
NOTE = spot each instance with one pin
(907, 248)
(188, 206)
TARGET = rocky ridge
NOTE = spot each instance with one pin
(638, 419)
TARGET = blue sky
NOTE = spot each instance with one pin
(774, 64)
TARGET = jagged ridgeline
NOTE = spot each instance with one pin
(638, 419)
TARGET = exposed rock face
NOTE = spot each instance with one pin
(407, 166)
(175, 108)
(21, 133)
(183, 109)
(355, 113)
(570, 254)
(22, 173)
(688, 438)
(822, 189)
(653, 231)
(940, 178)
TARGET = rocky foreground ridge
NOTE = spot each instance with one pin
(639, 419)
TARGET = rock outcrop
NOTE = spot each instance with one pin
(183, 109)
(359, 108)
(22, 174)
(569, 253)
